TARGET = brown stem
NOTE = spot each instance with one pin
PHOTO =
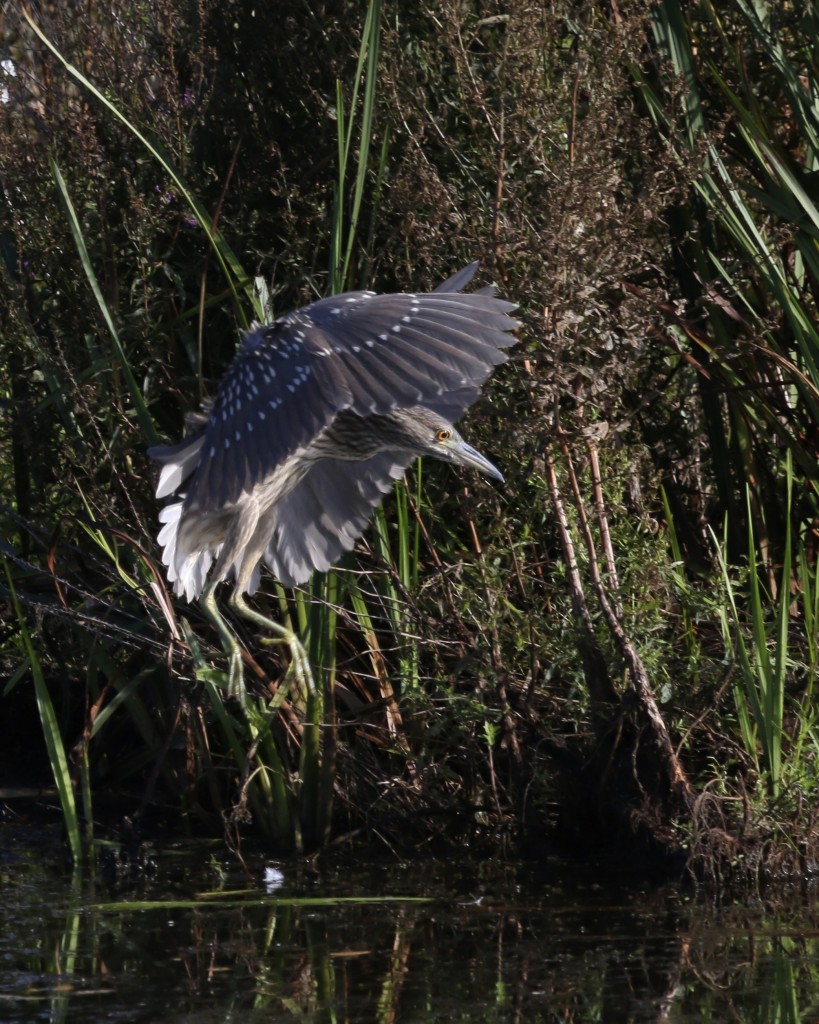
(677, 779)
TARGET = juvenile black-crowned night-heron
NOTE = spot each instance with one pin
(314, 419)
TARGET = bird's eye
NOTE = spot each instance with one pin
(444, 435)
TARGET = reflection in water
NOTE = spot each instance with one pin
(272, 878)
(413, 942)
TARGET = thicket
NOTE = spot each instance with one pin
(619, 647)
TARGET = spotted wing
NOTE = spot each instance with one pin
(361, 351)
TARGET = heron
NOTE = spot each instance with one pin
(318, 414)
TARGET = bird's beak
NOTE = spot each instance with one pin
(466, 455)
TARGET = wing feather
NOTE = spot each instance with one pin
(360, 351)
(327, 512)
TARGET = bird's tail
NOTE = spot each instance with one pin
(178, 461)
(188, 563)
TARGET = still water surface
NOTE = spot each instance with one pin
(191, 938)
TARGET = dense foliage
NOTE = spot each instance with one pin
(631, 621)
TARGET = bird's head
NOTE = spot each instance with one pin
(437, 437)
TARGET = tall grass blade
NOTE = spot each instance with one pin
(760, 680)
(368, 68)
(679, 562)
(231, 267)
(763, 676)
(316, 755)
(366, 71)
(144, 417)
(399, 544)
(776, 696)
(51, 731)
(747, 702)
(268, 783)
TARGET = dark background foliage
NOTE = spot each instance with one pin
(559, 144)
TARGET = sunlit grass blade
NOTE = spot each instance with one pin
(398, 546)
(368, 68)
(762, 683)
(775, 703)
(671, 31)
(763, 676)
(745, 695)
(366, 71)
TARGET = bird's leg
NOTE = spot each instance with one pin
(230, 645)
(301, 663)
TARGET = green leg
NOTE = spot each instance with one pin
(281, 634)
(230, 645)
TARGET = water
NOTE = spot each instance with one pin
(190, 938)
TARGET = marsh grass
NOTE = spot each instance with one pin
(760, 697)
(286, 776)
(50, 731)
(754, 244)
(632, 183)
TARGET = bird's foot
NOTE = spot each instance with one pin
(279, 634)
(299, 662)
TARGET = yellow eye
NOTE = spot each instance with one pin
(444, 435)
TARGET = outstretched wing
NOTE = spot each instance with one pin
(360, 351)
(327, 512)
